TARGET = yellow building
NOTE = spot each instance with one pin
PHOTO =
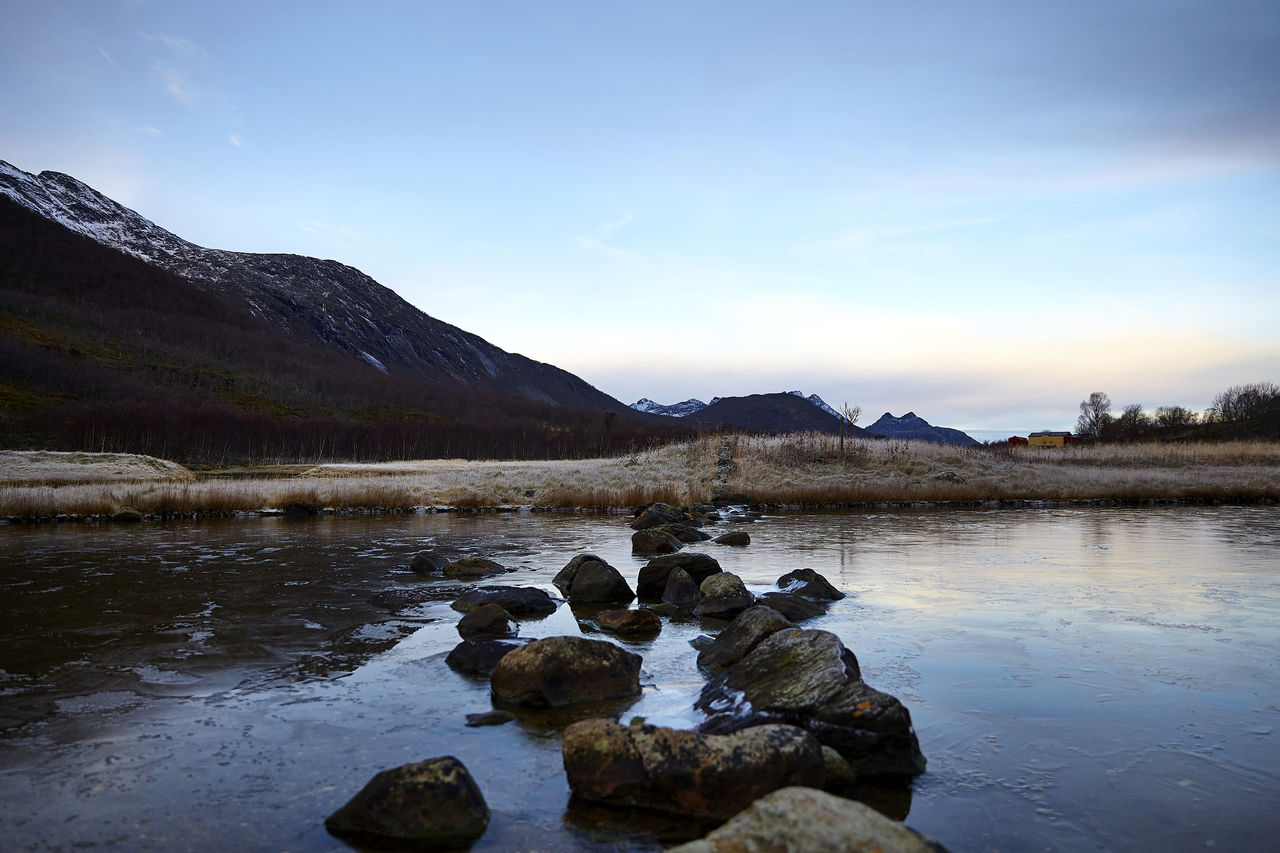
(1050, 439)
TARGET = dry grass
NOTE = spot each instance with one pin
(796, 470)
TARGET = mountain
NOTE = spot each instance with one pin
(817, 401)
(317, 301)
(675, 410)
(912, 427)
(769, 413)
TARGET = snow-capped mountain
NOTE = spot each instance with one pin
(913, 427)
(319, 301)
(817, 401)
(675, 410)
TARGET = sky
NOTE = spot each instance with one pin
(978, 211)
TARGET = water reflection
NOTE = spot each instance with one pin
(1078, 677)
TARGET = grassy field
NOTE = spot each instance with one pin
(795, 470)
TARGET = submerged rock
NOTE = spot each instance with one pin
(516, 600)
(428, 562)
(799, 818)
(488, 620)
(686, 772)
(809, 679)
(651, 582)
(558, 672)
(432, 804)
(489, 718)
(473, 568)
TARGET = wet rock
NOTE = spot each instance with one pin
(629, 622)
(681, 589)
(489, 718)
(127, 514)
(597, 582)
(433, 804)
(564, 578)
(656, 514)
(488, 620)
(735, 538)
(516, 600)
(561, 671)
(809, 679)
(473, 568)
(653, 541)
(686, 772)
(428, 562)
(799, 818)
(744, 633)
(809, 584)
(479, 655)
(686, 533)
(651, 582)
(723, 596)
(795, 607)
(300, 509)
(840, 773)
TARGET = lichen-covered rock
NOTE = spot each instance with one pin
(809, 584)
(723, 596)
(734, 538)
(558, 672)
(516, 600)
(799, 818)
(479, 655)
(686, 772)
(744, 633)
(473, 568)
(488, 620)
(433, 805)
(681, 590)
(651, 582)
(809, 679)
(629, 622)
(654, 541)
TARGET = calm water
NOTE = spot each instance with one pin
(1079, 678)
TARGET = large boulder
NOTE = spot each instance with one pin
(795, 607)
(629, 622)
(744, 633)
(487, 620)
(805, 819)
(723, 596)
(558, 672)
(479, 655)
(656, 514)
(564, 578)
(685, 772)
(652, 579)
(654, 541)
(472, 568)
(734, 538)
(433, 805)
(809, 584)
(809, 679)
(681, 590)
(516, 600)
(597, 582)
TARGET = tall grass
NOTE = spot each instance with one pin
(805, 469)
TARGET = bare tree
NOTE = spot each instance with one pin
(1175, 416)
(1095, 415)
(850, 414)
(1244, 401)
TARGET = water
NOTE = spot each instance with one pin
(1079, 678)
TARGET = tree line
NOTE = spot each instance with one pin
(1241, 411)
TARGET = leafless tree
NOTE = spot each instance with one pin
(850, 414)
(1095, 415)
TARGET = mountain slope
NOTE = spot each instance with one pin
(912, 427)
(769, 413)
(311, 300)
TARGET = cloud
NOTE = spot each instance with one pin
(147, 130)
(106, 55)
(177, 83)
(599, 243)
(236, 141)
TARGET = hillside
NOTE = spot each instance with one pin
(768, 413)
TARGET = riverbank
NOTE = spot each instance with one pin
(803, 470)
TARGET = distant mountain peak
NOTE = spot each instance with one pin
(915, 428)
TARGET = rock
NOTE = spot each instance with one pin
(427, 562)
(433, 804)
(744, 633)
(490, 718)
(794, 607)
(810, 584)
(654, 542)
(723, 596)
(473, 568)
(561, 671)
(686, 772)
(805, 819)
(735, 538)
(686, 533)
(126, 513)
(651, 582)
(681, 589)
(629, 621)
(516, 600)
(840, 773)
(809, 679)
(488, 620)
(300, 509)
(597, 582)
(656, 514)
(564, 578)
(479, 655)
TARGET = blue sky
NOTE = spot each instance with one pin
(979, 211)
